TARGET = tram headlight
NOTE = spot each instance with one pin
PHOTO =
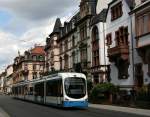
(66, 99)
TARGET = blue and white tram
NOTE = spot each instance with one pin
(61, 89)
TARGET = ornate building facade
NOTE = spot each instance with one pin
(29, 66)
(74, 40)
(52, 48)
(99, 60)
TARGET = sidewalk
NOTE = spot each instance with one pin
(144, 112)
(3, 113)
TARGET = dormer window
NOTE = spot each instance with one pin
(116, 11)
(41, 58)
(34, 57)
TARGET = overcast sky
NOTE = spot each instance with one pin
(24, 23)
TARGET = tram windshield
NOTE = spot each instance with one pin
(75, 87)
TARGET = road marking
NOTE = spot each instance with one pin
(3, 113)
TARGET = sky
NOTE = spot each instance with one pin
(24, 23)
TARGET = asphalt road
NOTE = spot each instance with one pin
(18, 108)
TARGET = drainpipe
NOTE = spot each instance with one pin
(132, 50)
(104, 50)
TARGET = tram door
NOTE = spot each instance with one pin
(59, 92)
(39, 92)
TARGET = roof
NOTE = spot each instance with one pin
(38, 50)
(57, 25)
(130, 3)
(141, 6)
(101, 17)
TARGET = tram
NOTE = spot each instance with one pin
(61, 89)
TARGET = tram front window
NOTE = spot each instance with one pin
(75, 87)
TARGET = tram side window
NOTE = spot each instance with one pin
(16, 90)
(39, 89)
(54, 88)
(19, 90)
(30, 91)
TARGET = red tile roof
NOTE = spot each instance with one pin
(38, 50)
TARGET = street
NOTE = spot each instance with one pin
(18, 108)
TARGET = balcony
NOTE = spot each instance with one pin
(143, 40)
(119, 51)
(99, 69)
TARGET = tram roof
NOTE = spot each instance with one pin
(53, 76)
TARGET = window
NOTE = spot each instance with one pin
(61, 47)
(145, 21)
(95, 47)
(39, 90)
(122, 66)
(60, 63)
(66, 61)
(66, 45)
(116, 11)
(143, 24)
(109, 39)
(83, 32)
(34, 67)
(41, 67)
(75, 87)
(96, 79)
(122, 36)
(41, 58)
(34, 57)
(73, 58)
(95, 58)
(73, 41)
(83, 55)
(34, 75)
(54, 88)
(25, 66)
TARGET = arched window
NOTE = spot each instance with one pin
(95, 34)
(95, 47)
(66, 61)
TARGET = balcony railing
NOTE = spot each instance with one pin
(121, 50)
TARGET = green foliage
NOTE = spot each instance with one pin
(143, 94)
(101, 92)
(89, 85)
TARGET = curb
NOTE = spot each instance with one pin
(144, 112)
(3, 113)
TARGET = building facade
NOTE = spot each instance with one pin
(119, 42)
(73, 41)
(8, 81)
(99, 65)
(68, 46)
(2, 77)
(141, 26)
(29, 66)
(52, 48)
